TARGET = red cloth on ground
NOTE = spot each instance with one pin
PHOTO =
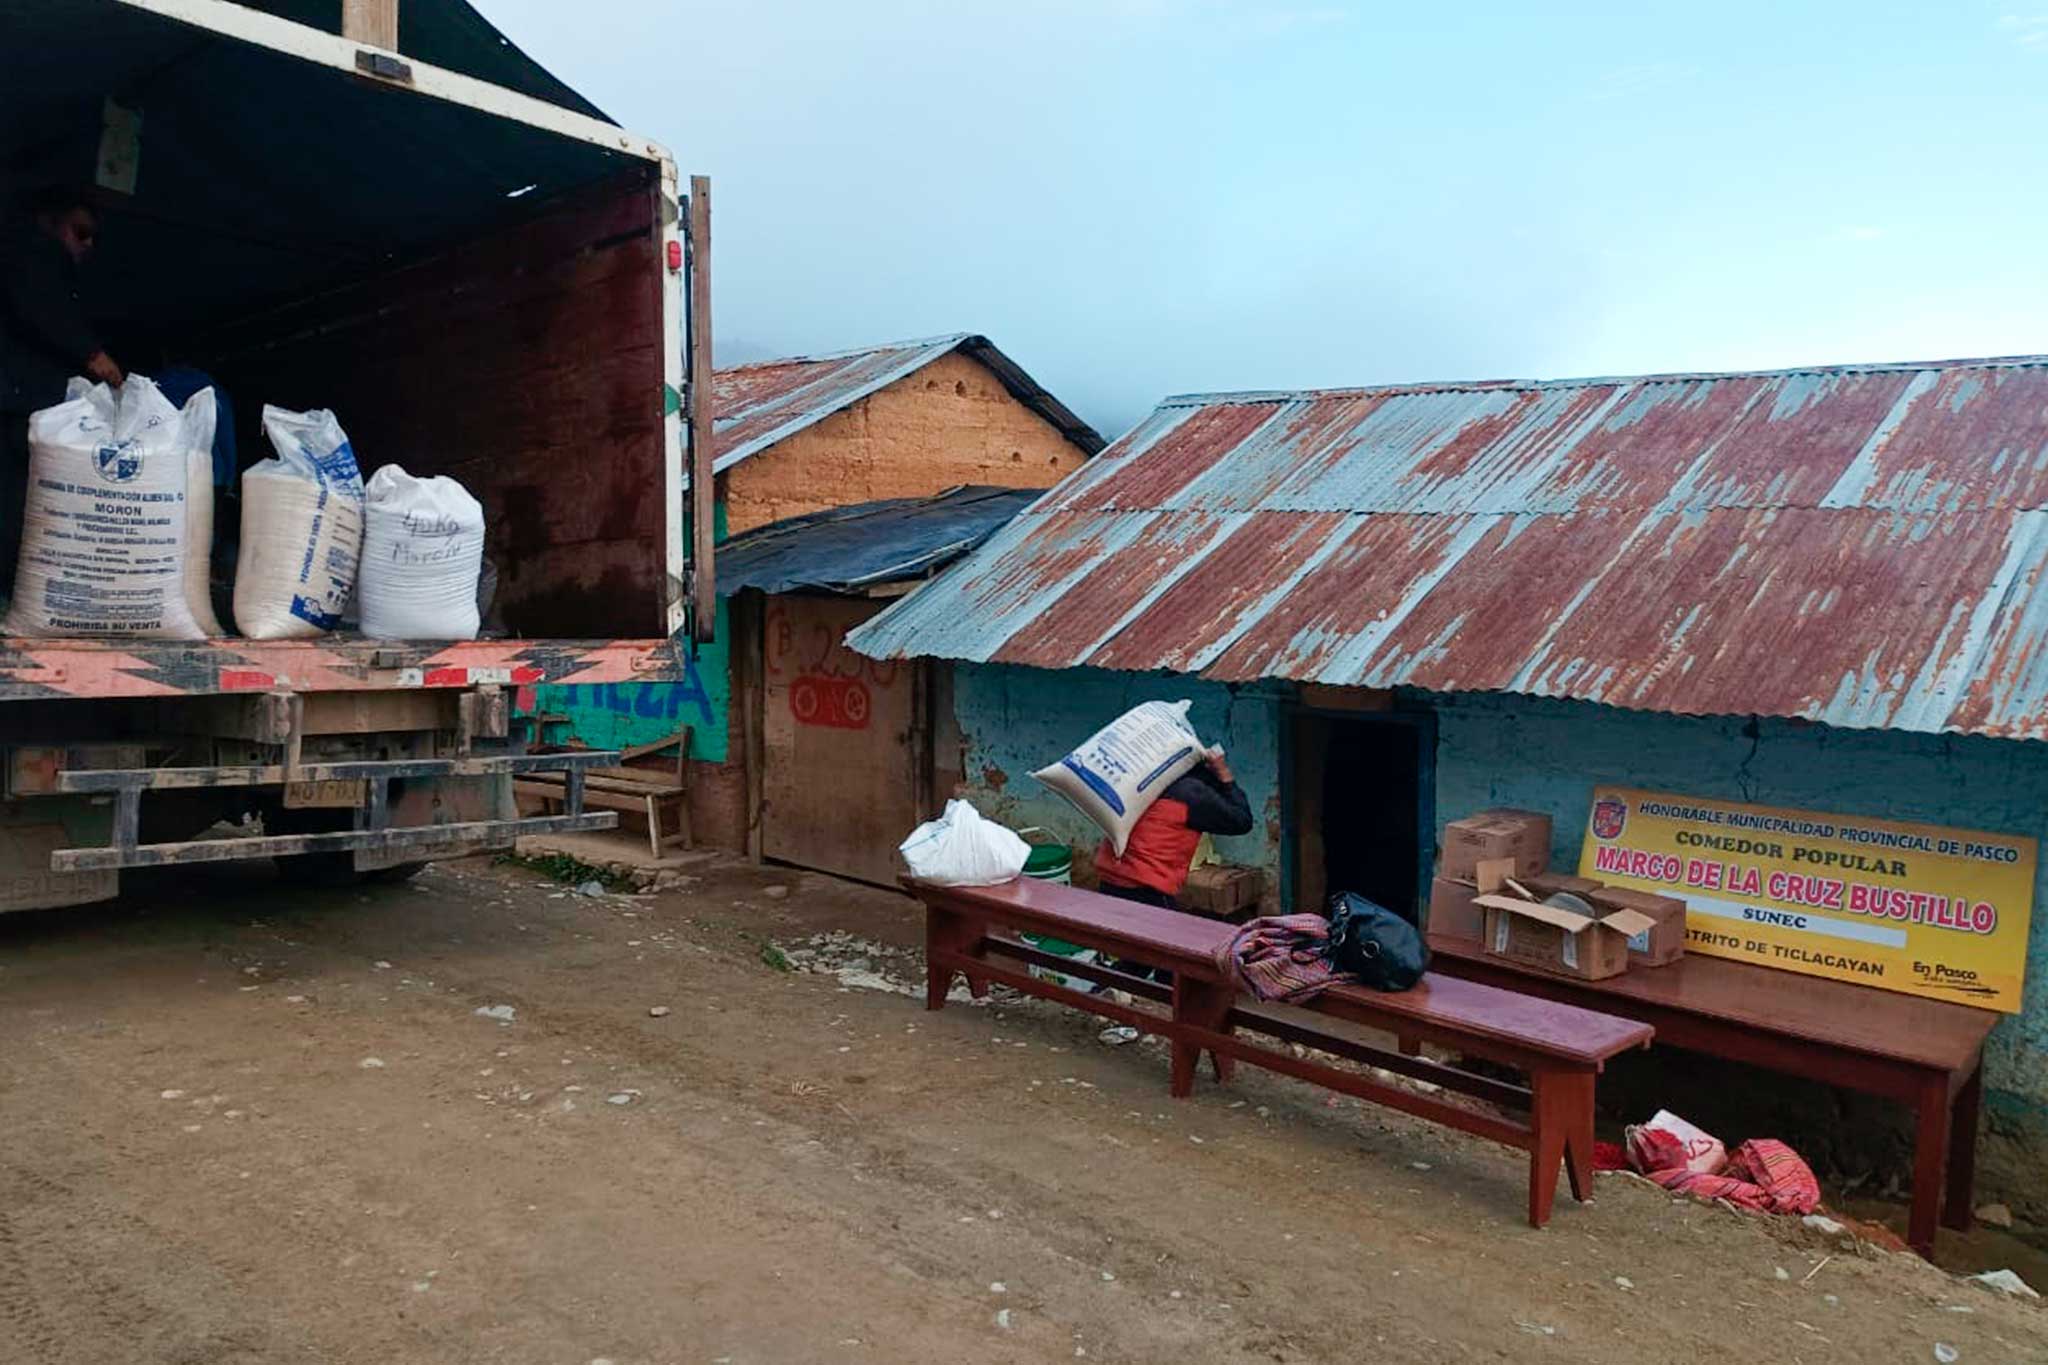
(1762, 1175)
(1609, 1156)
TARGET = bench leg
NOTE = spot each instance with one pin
(1959, 1208)
(1561, 1115)
(945, 932)
(1206, 1005)
(1930, 1164)
(1578, 1138)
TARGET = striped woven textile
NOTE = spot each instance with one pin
(1762, 1175)
(1281, 957)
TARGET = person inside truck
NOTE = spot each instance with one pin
(45, 338)
(1154, 865)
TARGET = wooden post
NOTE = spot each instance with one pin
(703, 482)
(371, 22)
(749, 631)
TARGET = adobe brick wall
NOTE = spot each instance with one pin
(950, 423)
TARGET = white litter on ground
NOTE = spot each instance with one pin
(2006, 1281)
(858, 963)
(504, 1014)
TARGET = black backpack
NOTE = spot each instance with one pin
(1374, 944)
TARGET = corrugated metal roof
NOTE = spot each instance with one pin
(759, 404)
(846, 549)
(1860, 545)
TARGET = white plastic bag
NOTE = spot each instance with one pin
(302, 529)
(1116, 776)
(1705, 1154)
(105, 522)
(423, 546)
(961, 848)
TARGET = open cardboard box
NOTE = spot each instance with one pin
(1663, 943)
(1454, 909)
(1562, 942)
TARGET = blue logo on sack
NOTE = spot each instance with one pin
(118, 463)
(1097, 785)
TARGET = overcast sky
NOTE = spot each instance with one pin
(1136, 198)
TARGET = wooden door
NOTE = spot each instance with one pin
(841, 739)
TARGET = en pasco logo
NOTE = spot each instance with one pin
(1610, 817)
(118, 463)
(1944, 977)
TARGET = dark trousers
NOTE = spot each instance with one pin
(1143, 895)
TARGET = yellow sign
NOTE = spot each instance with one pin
(1913, 908)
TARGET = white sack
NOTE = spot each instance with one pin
(104, 531)
(961, 848)
(302, 529)
(1119, 772)
(423, 546)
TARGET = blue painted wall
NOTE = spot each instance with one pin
(1548, 756)
(1014, 721)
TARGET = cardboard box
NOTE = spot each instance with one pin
(1520, 835)
(1561, 942)
(1221, 890)
(1664, 941)
(1454, 910)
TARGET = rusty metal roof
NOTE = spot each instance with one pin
(1860, 545)
(756, 405)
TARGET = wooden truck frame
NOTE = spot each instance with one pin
(480, 275)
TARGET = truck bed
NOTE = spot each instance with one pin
(45, 669)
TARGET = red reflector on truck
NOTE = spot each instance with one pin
(245, 680)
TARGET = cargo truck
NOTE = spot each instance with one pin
(394, 214)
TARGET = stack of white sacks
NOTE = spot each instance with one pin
(119, 527)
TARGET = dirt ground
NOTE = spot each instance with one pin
(248, 1123)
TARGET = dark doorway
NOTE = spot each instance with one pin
(1362, 798)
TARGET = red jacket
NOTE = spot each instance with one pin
(1162, 843)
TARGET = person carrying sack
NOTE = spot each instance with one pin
(1156, 859)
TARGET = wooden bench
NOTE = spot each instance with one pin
(644, 793)
(1561, 1049)
(1926, 1054)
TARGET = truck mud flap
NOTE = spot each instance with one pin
(372, 831)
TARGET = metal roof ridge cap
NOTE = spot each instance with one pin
(1201, 399)
(810, 416)
(948, 339)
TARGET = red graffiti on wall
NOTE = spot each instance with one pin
(837, 703)
(797, 648)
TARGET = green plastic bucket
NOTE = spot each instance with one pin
(1054, 863)
(1051, 863)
